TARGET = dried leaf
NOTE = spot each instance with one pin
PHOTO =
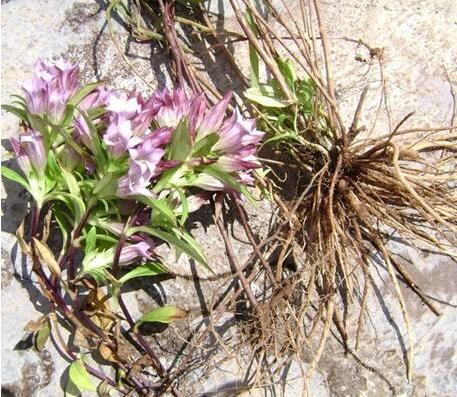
(25, 248)
(25, 343)
(47, 226)
(104, 390)
(107, 354)
(35, 325)
(47, 257)
(84, 341)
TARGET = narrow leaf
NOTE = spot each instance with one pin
(169, 177)
(20, 113)
(148, 269)
(257, 96)
(71, 182)
(203, 146)
(47, 257)
(220, 174)
(184, 204)
(91, 240)
(172, 240)
(83, 92)
(180, 144)
(164, 315)
(163, 207)
(15, 177)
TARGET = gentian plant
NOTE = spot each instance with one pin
(115, 175)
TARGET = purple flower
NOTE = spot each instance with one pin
(196, 201)
(137, 252)
(134, 253)
(97, 98)
(237, 133)
(30, 152)
(50, 88)
(129, 121)
(210, 183)
(238, 141)
(170, 107)
(212, 120)
(137, 180)
(145, 163)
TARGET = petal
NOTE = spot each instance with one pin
(213, 119)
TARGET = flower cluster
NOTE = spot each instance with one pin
(50, 88)
(110, 153)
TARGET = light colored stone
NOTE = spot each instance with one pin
(418, 38)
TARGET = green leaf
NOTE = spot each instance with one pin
(192, 243)
(215, 171)
(168, 178)
(41, 125)
(203, 146)
(73, 202)
(15, 177)
(53, 168)
(42, 336)
(148, 269)
(162, 206)
(79, 379)
(287, 68)
(99, 154)
(61, 221)
(164, 315)
(91, 240)
(20, 113)
(83, 92)
(71, 182)
(184, 204)
(68, 116)
(265, 97)
(180, 144)
(173, 241)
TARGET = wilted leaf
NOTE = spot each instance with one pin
(164, 315)
(25, 248)
(26, 342)
(35, 325)
(82, 340)
(42, 336)
(107, 354)
(104, 390)
(47, 225)
(47, 257)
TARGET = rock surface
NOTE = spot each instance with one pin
(418, 38)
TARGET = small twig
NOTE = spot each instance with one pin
(233, 259)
